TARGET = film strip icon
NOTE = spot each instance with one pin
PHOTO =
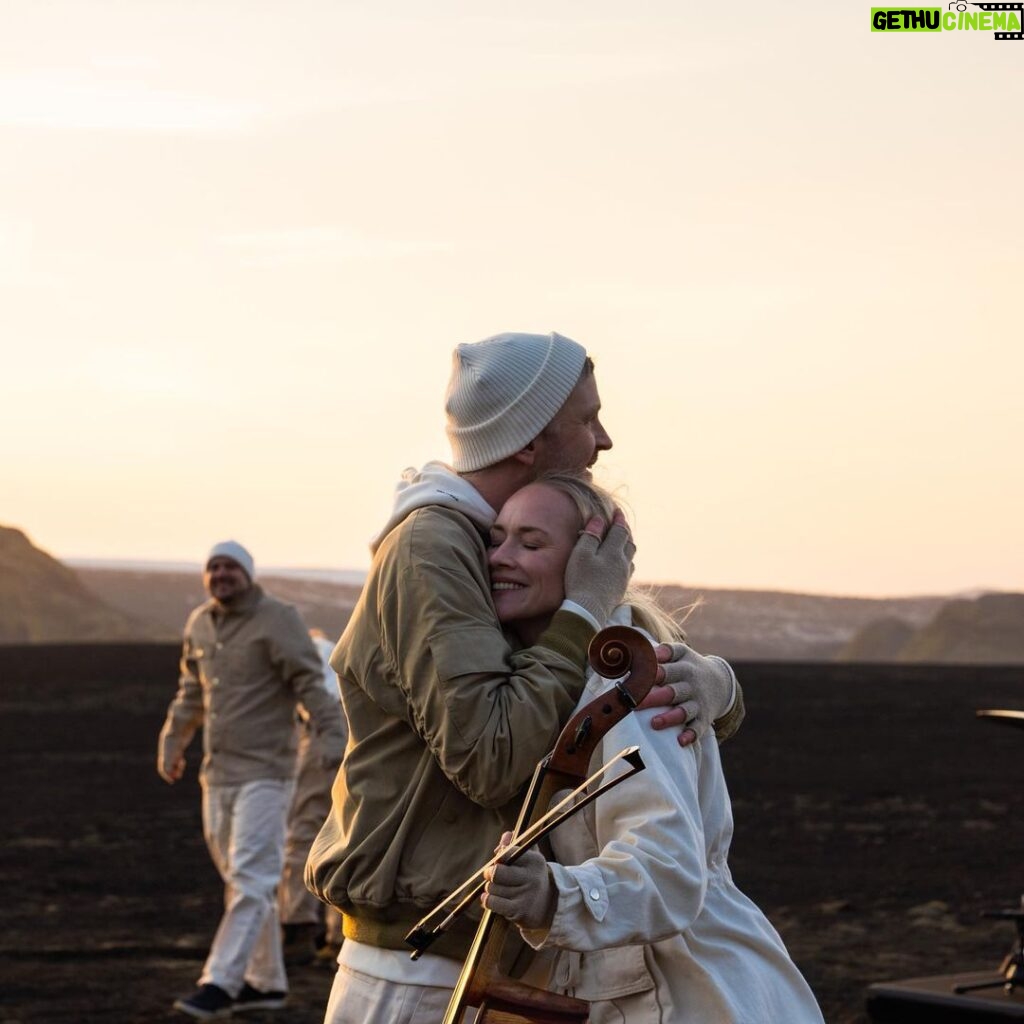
(1019, 7)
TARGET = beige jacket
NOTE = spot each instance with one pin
(446, 722)
(243, 670)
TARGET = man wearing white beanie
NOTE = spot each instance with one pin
(446, 721)
(246, 662)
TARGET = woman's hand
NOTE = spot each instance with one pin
(599, 568)
(523, 892)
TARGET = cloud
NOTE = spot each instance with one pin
(320, 245)
(19, 266)
(722, 304)
(104, 100)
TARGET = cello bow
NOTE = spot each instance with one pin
(615, 651)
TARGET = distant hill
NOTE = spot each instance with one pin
(880, 640)
(166, 598)
(768, 624)
(43, 601)
(988, 630)
(741, 624)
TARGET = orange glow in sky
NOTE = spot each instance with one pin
(238, 242)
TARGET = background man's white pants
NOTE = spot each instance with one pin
(244, 828)
(309, 807)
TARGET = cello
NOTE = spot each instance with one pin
(617, 651)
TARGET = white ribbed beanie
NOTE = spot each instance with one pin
(504, 391)
(233, 550)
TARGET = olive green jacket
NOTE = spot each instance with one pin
(446, 724)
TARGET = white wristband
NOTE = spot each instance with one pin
(732, 677)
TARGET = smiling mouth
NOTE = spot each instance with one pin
(508, 586)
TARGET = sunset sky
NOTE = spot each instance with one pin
(238, 242)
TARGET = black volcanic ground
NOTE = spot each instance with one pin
(876, 817)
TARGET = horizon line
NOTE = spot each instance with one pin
(358, 576)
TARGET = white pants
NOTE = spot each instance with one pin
(367, 989)
(244, 828)
(309, 809)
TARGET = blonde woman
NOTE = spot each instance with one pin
(640, 914)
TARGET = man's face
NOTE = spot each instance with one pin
(572, 441)
(225, 580)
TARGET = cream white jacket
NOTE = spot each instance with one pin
(243, 670)
(649, 924)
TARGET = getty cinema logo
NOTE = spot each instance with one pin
(1002, 19)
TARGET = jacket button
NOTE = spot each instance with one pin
(594, 894)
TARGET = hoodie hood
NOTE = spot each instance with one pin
(435, 484)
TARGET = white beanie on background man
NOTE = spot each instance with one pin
(504, 391)
(233, 550)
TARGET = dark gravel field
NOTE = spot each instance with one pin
(876, 818)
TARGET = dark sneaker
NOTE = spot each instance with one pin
(206, 1003)
(253, 999)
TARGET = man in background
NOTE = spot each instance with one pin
(246, 662)
(310, 930)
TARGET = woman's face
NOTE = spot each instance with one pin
(531, 541)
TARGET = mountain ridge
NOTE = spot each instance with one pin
(43, 600)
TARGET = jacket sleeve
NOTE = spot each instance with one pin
(650, 877)
(486, 713)
(294, 655)
(728, 725)
(185, 712)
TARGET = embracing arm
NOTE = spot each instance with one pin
(487, 713)
(425, 645)
(703, 690)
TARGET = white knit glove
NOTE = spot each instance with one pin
(523, 892)
(599, 567)
(704, 688)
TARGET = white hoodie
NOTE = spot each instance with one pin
(435, 484)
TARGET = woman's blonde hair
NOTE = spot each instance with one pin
(591, 500)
